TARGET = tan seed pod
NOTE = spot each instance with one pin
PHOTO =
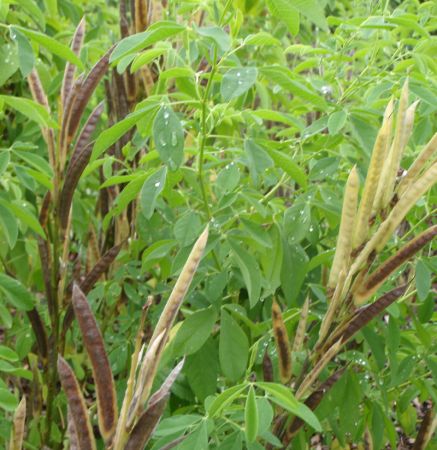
(19, 421)
(141, 13)
(301, 327)
(379, 153)
(71, 431)
(102, 374)
(282, 343)
(70, 69)
(76, 403)
(345, 234)
(371, 284)
(418, 165)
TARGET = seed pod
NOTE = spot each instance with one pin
(141, 12)
(19, 421)
(77, 406)
(426, 430)
(71, 431)
(379, 153)
(84, 94)
(371, 284)
(68, 108)
(282, 343)
(40, 333)
(164, 390)
(345, 235)
(37, 89)
(70, 69)
(72, 177)
(418, 165)
(84, 137)
(387, 182)
(102, 374)
(320, 365)
(312, 402)
(301, 327)
(267, 367)
(145, 426)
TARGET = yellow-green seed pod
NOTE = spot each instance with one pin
(348, 217)
(373, 177)
(418, 165)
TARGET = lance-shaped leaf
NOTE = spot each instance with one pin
(85, 135)
(418, 165)
(397, 214)
(102, 374)
(379, 153)
(391, 164)
(70, 69)
(315, 371)
(76, 403)
(145, 426)
(345, 235)
(282, 343)
(426, 430)
(72, 177)
(313, 401)
(84, 94)
(18, 423)
(299, 337)
(371, 284)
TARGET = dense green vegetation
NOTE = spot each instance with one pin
(240, 196)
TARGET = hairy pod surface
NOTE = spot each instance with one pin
(102, 374)
(18, 426)
(76, 403)
(282, 343)
(299, 337)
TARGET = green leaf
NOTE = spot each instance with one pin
(187, 228)
(225, 398)
(233, 348)
(251, 418)
(262, 38)
(152, 187)
(297, 221)
(158, 31)
(285, 162)
(32, 110)
(198, 439)
(25, 217)
(53, 46)
(250, 271)
(423, 280)
(218, 35)
(146, 57)
(283, 396)
(237, 81)
(9, 226)
(294, 269)
(17, 295)
(8, 402)
(258, 159)
(168, 135)
(228, 178)
(175, 424)
(194, 331)
(284, 10)
(5, 157)
(8, 354)
(313, 11)
(26, 60)
(337, 121)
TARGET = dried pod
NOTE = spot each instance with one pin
(320, 365)
(371, 284)
(379, 153)
(71, 431)
(267, 367)
(282, 343)
(72, 177)
(145, 426)
(84, 94)
(76, 403)
(37, 89)
(85, 135)
(345, 235)
(70, 69)
(19, 421)
(418, 165)
(141, 13)
(301, 327)
(40, 333)
(164, 390)
(102, 374)
(426, 430)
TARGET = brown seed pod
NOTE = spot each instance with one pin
(313, 401)
(301, 327)
(426, 430)
(85, 135)
(70, 69)
(102, 374)
(84, 94)
(72, 177)
(141, 12)
(282, 343)
(19, 421)
(77, 406)
(145, 426)
(37, 89)
(40, 333)
(371, 284)
(71, 431)
(267, 367)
